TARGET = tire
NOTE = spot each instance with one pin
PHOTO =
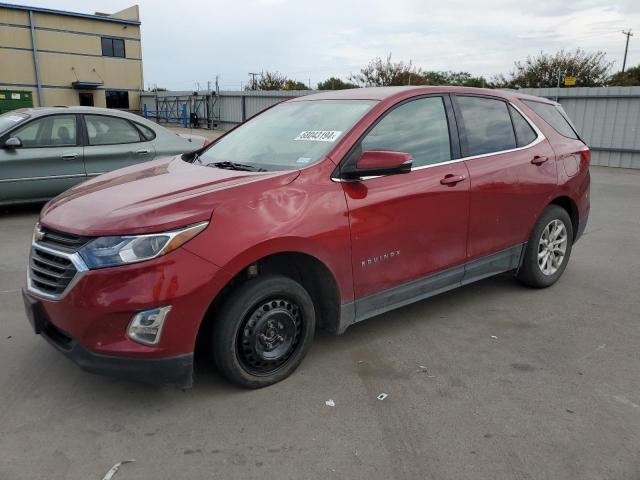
(263, 331)
(544, 273)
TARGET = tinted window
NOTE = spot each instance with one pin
(104, 130)
(525, 134)
(117, 99)
(118, 48)
(51, 131)
(147, 133)
(112, 47)
(487, 125)
(107, 47)
(553, 115)
(418, 127)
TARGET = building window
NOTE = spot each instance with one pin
(117, 99)
(112, 47)
(86, 99)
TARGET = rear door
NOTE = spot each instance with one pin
(409, 226)
(512, 170)
(113, 142)
(48, 162)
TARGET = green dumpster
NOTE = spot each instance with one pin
(14, 99)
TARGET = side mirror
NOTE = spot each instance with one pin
(13, 142)
(379, 162)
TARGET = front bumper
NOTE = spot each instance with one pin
(174, 371)
(89, 323)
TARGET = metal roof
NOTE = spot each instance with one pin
(69, 14)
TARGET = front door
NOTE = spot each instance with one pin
(112, 143)
(48, 161)
(405, 228)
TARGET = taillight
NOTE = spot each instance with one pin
(586, 156)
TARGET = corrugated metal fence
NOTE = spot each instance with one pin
(223, 111)
(607, 118)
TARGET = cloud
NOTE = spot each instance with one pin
(195, 40)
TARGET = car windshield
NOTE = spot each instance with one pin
(11, 119)
(288, 136)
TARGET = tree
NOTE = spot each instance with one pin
(382, 73)
(295, 85)
(268, 81)
(334, 83)
(274, 81)
(630, 78)
(590, 70)
(460, 79)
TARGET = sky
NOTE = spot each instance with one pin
(190, 42)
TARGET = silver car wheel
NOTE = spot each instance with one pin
(552, 247)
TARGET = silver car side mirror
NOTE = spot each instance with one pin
(13, 142)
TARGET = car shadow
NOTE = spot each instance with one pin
(20, 210)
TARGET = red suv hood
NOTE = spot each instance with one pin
(150, 197)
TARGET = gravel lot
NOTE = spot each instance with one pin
(517, 384)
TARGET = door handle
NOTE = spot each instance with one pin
(451, 180)
(143, 151)
(538, 160)
(69, 156)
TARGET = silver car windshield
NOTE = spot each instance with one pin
(11, 119)
(288, 136)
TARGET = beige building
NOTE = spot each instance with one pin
(67, 58)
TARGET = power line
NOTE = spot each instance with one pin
(626, 48)
(253, 79)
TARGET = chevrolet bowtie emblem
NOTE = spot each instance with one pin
(38, 234)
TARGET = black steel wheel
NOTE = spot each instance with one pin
(263, 331)
(269, 336)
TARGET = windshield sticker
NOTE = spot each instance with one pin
(303, 160)
(13, 118)
(318, 135)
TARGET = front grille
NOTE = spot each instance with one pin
(50, 273)
(67, 241)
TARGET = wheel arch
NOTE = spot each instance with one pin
(571, 207)
(308, 270)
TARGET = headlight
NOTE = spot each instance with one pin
(112, 251)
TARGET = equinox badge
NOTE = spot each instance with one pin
(381, 258)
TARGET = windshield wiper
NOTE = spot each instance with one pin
(236, 166)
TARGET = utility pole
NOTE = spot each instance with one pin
(626, 48)
(253, 80)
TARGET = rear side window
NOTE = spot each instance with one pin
(103, 130)
(525, 134)
(553, 115)
(487, 125)
(147, 133)
(418, 127)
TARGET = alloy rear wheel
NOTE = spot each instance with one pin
(548, 249)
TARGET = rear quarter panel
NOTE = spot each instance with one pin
(574, 179)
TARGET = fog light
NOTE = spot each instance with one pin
(146, 326)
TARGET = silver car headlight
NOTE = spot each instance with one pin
(121, 250)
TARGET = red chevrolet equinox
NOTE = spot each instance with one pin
(321, 211)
